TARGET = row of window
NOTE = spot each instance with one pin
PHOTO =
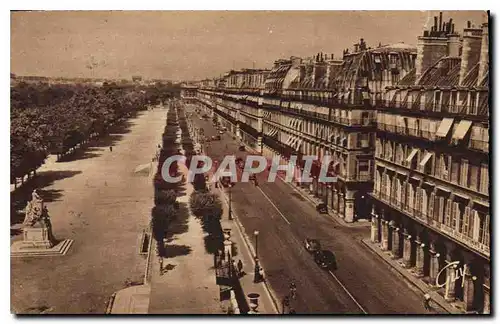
(454, 213)
(468, 174)
(459, 102)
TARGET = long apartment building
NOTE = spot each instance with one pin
(431, 189)
(407, 129)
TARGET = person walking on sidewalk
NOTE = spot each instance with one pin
(240, 268)
(427, 300)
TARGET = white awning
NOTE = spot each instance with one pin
(412, 155)
(274, 132)
(290, 139)
(462, 129)
(425, 159)
(444, 127)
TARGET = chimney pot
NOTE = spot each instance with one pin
(440, 20)
(468, 24)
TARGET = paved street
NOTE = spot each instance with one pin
(101, 202)
(362, 283)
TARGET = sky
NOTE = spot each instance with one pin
(193, 45)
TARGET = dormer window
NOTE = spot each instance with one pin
(377, 59)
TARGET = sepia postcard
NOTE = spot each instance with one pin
(250, 162)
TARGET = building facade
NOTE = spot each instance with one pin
(431, 193)
(408, 132)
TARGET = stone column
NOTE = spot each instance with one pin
(407, 250)
(259, 144)
(486, 307)
(349, 210)
(468, 281)
(335, 200)
(385, 235)
(419, 258)
(395, 243)
(375, 230)
(433, 264)
(449, 292)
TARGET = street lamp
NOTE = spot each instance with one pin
(256, 234)
(230, 202)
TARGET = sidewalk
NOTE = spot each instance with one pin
(315, 200)
(187, 285)
(245, 251)
(447, 307)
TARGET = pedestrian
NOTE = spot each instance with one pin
(240, 268)
(111, 148)
(427, 299)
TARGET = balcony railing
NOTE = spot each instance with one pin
(416, 213)
(479, 145)
(450, 108)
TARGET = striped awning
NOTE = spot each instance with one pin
(444, 127)
(462, 129)
(426, 158)
(412, 155)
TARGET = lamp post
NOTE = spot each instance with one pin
(230, 202)
(256, 234)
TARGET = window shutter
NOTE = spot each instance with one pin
(484, 180)
(394, 187)
(467, 223)
(403, 193)
(464, 171)
(486, 231)
(447, 213)
(475, 224)
(441, 210)
(455, 216)
(432, 203)
(418, 200)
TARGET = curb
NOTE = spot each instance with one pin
(446, 308)
(111, 301)
(250, 247)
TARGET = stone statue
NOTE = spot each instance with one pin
(34, 210)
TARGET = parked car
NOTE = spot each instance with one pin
(325, 259)
(312, 245)
(322, 208)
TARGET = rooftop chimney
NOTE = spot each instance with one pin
(484, 59)
(440, 20)
(471, 49)
(430, 48)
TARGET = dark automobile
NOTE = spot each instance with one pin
(312, 245)
(325, 259)
(241, 148)
(322, 209)
(217, 137)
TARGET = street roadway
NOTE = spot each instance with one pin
(362, 284)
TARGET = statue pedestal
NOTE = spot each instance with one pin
(37, 237)
(39, 241)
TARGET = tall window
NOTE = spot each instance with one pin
(464, 171)
(484, 180)
(473, 177)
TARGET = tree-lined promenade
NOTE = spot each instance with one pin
(55, 119)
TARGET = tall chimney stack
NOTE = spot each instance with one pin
(440, 20)
(484, 59)
(471, 50)
(430, 48)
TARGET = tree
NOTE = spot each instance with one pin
(160, 219)
(206, 206)
(165, 197)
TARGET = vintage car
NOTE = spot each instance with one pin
(312, 245)
(325, 259)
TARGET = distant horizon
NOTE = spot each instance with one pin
(196, 45)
